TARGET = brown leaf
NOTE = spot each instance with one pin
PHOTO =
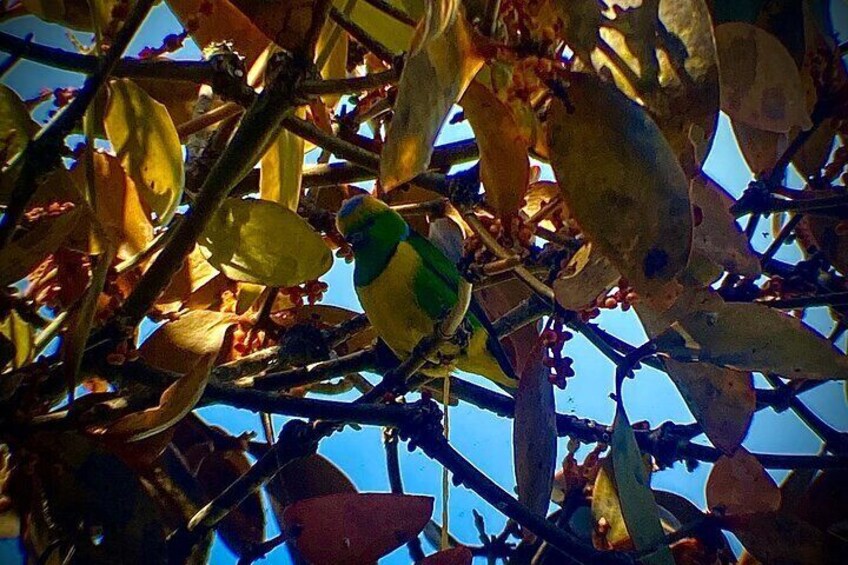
(825, 504)
(244, 526)
(195, 273)
(740, 485)
(534, 433)
(717, 235)
(588, 275)
(760, 85)
(355, 528)
(504, 164)
(432, 81)
(176, 401)
(285, 22)
(177, 346)
(778, 537)
(619, 177)
(224, 22)
(824, 232)
(761, 149)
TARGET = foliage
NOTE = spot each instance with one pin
(210, 215)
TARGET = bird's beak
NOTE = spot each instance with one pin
(356, 239)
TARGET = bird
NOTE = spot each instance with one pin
(406, 285)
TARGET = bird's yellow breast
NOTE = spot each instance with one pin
(391, 305)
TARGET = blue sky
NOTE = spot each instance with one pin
(482, 437)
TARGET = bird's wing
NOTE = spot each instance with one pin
(446, 272)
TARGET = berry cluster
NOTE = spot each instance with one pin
(512, 232)
(39, 213)
(621, 295)
(313, 291)
(124, 351)
(554, 338)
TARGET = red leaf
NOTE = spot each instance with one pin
(741, 485)
(454, 556)
(355, 528)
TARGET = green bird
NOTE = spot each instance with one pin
(406, 285)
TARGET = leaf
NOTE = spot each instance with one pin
(119, 207)
(825, 234)
(454, 556)
(265, 243)
(716, 234)
(15, 123)
(195, 273)
(280, 170)
(638, 507)
(146, 141)
(779, 537)
(355, 528)
(22, 338)
(285, 22)
(761, 149)
(223, 22)
(588, 275)
(177, 346)
(606, 506)
(74, 14)
(244, 526)
(534, 433)
(305, 478)
(740, 485)
(504, 164)
(676, 77)
(176, 401)
(388, 31)
(760, 85)
(619, 177)
(812, 156)
(431, 82)
(580, 22)
(825, 504)
(753, 337)
(22, 255)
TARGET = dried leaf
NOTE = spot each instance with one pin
(432, 81)
(178, 346)
(146, 141)
(825, 504)
(619, 178)
(761, 149)
(280, 170)
(812, 156)
(285, 22)
(355, 528)
(265, 243)
(778, 537)
(638, 507)
(504, 164)
(825, 234)
(244, 526)
(760, 85)
(740, 485)
(195, 273)
(176, 401)
(717, 235)
(753, 337)
(118, 206)
(534, 433)
(224, 22)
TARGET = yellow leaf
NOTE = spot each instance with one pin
(176, 401)
(265, 243)
(623, 185)
(504, 164)
(431, 83)
(21, 335)
(119, 208)
(177, 346)
(386, 30)
(145, 139)
(281, 169)
(760, 84)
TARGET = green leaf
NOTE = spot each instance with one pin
(17, 127)
(145, 139)
(623, 185)
(638, 507)
(21, 336)
(432, 81)
(265, 243)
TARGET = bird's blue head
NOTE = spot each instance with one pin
(365, 220)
